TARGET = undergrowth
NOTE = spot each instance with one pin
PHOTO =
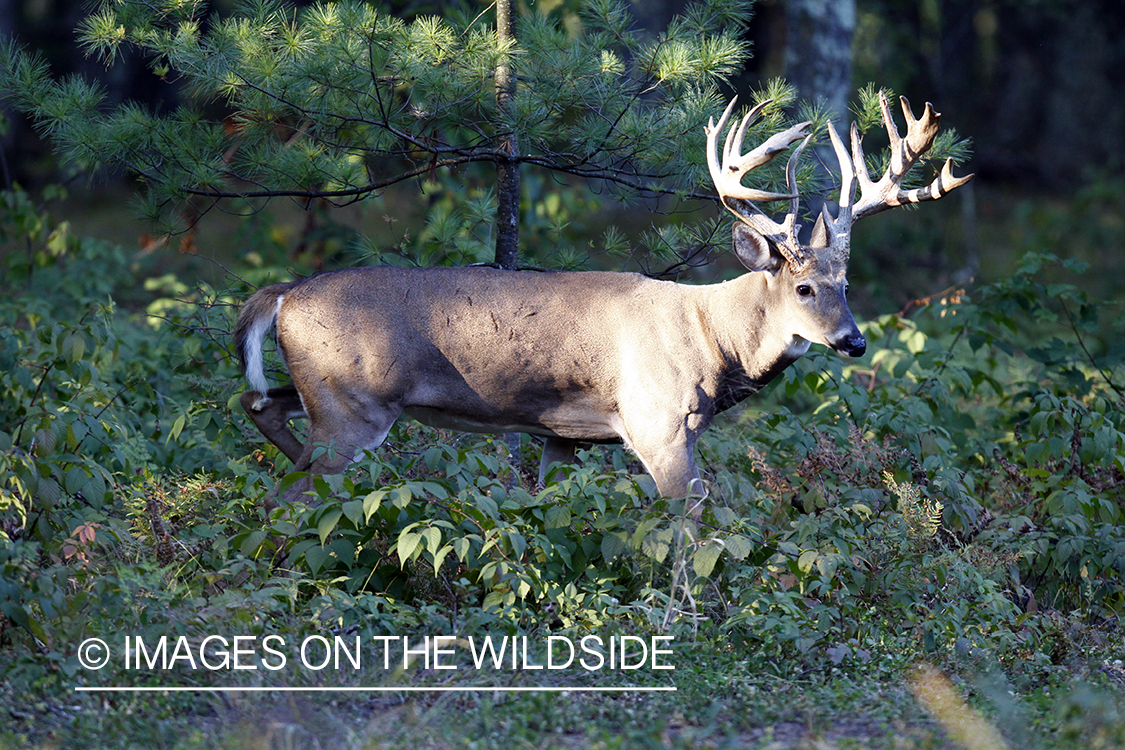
(953, 497)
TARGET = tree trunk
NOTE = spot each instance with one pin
(818, 62)
(507, 185)
(9, 19)
(507, 169)
(818, 54)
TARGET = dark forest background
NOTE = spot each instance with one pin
(1036, 83)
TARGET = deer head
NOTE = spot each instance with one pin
(810, 281)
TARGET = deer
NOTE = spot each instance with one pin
(577, 357)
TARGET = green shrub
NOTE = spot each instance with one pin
(947, 494)
(1018, 449)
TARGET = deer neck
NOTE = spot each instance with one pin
(753, 340)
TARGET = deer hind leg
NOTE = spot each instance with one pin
(555, 450)
(271, 413)
(336, 439)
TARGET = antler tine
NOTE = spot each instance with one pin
(733, 143)
(836, 233)
(728, 175)
(790, 222)
(905, 153)
(942, 185)
(848, 175)
(897, 165)
(831, 234)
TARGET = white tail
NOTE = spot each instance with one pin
(573, 357)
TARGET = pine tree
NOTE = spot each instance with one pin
(339, 101)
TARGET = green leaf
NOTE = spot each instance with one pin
(73, 347)
(724, 516)
(354, 511)
(789, 548)
(75, 479)
(289, 480)
(439, 556)
(315, 557)
(558, 517)
(494, 600)
(178, 427)
(613, 544)
(738, 546)
(400, 497)
(657, 545)
(432, 537)
(300, 549)
(643, 528)
(461, 546)
(252, 542)
(328, 522)
(705, 558)
(409, 545)
(371, 504)
(1034, 451)
(518, 542)
(827, 564)
(807, 560)
(19, 615)
(487, 506)
(49, 493)
(343, 548)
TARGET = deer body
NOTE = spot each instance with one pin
(580, 356)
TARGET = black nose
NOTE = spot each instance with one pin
(853, 346)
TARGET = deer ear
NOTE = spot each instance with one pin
(754, 250)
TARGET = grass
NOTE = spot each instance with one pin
(1055, 683)
(723, 699)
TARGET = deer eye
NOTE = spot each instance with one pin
(804, 290)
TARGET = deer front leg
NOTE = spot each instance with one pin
(668, 453)
(555, 450)
(271, 413)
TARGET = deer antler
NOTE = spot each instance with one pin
(829, 234)
(835, 234)
(728, 178)
(905, 153)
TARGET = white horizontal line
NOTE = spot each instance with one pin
(370, 689)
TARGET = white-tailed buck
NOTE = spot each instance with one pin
(579, 357)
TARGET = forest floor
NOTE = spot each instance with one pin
(719, 701)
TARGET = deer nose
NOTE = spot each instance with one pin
(853, 346)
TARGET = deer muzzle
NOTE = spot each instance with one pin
(853, 345)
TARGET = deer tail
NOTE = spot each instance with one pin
(256, 318)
